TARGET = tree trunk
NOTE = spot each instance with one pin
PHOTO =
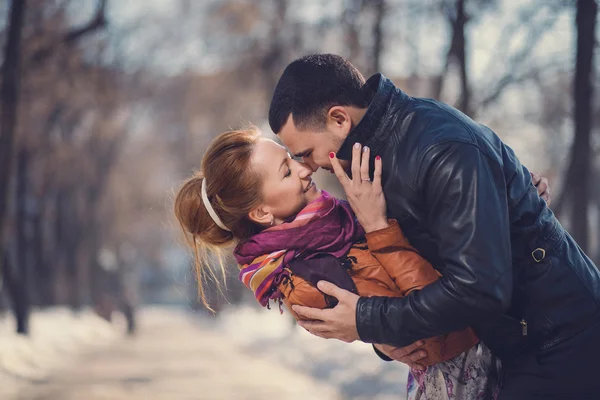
(96, 274)
(460, 55)
(22, 298)
(378, 35)
(9, 100)
(581, 152)
(72, 249)
(273, 59)
(352, 10)
(457, 53)
(68, 242)
(59, 239)
(43, 270)
(596, 200)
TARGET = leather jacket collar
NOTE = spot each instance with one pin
(370, 130)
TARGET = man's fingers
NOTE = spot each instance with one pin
(330, 289)
(405, 351)
(310, 313)
(318, 328)
(410, 358)
(546, 196)
(542, 185)
(417, 356)
(543, 189)
(418, 367)
(338, 170)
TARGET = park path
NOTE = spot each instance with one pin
(175, 357)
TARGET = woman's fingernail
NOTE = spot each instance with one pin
(331, 155)
(378, 158)
(365, 149)
(357, 145)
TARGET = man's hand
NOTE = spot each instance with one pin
(409, 355)
(338, 322)
(543, 188)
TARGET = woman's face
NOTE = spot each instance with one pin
(287, 184)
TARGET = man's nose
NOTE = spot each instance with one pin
(310, 163)
(305, 171)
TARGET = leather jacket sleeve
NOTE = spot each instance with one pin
(465, 201)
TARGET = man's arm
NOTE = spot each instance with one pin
(464, 193)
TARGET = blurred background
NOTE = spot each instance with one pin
(107, 106)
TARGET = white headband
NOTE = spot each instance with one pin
(209, 208)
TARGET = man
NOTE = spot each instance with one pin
(467, 204)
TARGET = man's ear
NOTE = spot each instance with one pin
(339, 121)
(339, 116)
(261, 215)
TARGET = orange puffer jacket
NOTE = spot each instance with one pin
(391, 267)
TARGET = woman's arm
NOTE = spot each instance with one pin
(411, 272)
(402, 262)
(297, 291)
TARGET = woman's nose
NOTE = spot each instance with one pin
(305, 171)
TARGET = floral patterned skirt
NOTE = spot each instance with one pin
(473, 375)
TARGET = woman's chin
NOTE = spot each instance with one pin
(313, 193)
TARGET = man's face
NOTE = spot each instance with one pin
(313, 146)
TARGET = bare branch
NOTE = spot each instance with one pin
(97, 22)
(510, 77)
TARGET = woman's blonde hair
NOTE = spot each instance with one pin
(233, 189)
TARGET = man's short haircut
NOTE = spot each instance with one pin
(310, 86)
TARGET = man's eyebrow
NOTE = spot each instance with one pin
(301, 154)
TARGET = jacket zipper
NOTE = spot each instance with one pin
(524, 325)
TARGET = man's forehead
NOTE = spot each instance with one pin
(290, 139)
(297, 149)
(294, 138)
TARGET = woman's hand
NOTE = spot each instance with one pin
(365, 197)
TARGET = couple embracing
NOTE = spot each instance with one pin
(445, 257)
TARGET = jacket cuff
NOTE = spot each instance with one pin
(392, 235)
(381, 355)
(364, 320)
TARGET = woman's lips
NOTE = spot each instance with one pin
(310, 186)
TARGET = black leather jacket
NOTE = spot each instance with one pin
(467, 204)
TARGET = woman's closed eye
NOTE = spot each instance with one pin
(288, 173)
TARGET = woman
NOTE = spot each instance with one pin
(288, 235)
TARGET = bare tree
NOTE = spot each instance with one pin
(579, 171)
(349, 18)
(456, 16)
(9, 100)
(380, 6)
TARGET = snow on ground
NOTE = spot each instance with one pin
(56, 337)
(175, 355)
(353, 369)
(59, 338)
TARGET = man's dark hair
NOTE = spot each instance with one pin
(310, 86)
